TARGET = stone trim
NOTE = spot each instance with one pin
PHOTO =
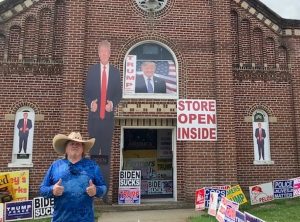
(145, 121)
(272, 119)
(8, 14)
(276, 26)
(165, 108)
(11, 117)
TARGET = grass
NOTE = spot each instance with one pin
(97, 215)
(38, 220)
(274, 211)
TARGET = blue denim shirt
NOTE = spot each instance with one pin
(75, 205)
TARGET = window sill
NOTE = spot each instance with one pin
(20, 165)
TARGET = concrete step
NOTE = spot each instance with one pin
(157, 205)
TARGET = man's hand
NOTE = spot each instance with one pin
(109, 106)
(91, 189)
(58, 189)
(94, 105)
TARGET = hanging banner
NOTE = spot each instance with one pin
(130, 75)
(196, 120)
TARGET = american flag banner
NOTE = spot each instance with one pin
(166, 70)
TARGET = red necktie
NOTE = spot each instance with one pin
(24, 125)
(103, 94)
(260, 135)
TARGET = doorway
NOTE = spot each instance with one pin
(151, 150)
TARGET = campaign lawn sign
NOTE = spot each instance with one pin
(222, 209)
(200, 199)
(43, 207)
(18, 210)
(6, 189)
(213, 204)
(196, 120)
(261, 193)
(222, 187)
(240, 216)
(1, 212)
(208, 190)
(296, 186)
(236, 194)
(20, 184)
(250, 218)
(129, 187)
(230, 212)
(283, 189)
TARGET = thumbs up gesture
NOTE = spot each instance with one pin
(58, 189)
(91, 189)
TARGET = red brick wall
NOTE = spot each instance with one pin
(14, 42)
(277, 98)
(38, 89)
(207, 37)
(30, 37)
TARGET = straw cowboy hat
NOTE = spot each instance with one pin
(59, 142)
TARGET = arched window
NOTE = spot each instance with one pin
(151, 71)
(261, 137)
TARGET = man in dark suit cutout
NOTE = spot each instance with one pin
(148, 82)
(260, 135)
(101, 100)
(24, 125)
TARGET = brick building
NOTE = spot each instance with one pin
(237, 52)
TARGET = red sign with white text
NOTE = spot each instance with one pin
(200, 199)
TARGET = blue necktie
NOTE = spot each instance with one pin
(149, 86)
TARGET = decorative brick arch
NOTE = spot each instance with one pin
(16, 106)
(161, 39)
(13, 23)
(267, 109)
(45, 7)
(28, 16)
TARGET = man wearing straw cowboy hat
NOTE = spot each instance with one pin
(73, 181)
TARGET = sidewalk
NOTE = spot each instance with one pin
(170, 215)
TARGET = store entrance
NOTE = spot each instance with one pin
(150, 150)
